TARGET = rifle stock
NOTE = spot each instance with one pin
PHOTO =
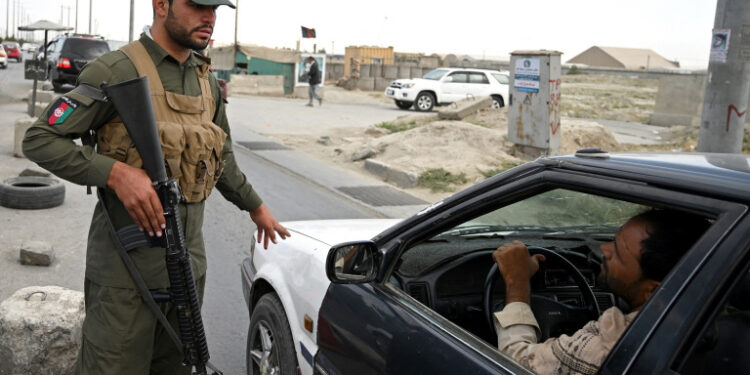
(132, 100)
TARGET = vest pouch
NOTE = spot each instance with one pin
(113, 140)
(172, 144)
(199, 161)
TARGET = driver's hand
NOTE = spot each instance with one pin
(517, 268)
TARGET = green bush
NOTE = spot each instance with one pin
(574, 70)
(438, 179)
(395, 127)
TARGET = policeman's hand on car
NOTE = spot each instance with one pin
(267, 225)
(134, 189)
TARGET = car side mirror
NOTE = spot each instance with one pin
(353, 262)
(448, 79)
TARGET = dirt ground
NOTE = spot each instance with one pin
(465, 152)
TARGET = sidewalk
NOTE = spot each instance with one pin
(66, 227)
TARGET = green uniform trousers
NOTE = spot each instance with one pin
(121, 336)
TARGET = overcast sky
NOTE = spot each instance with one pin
(676, 29)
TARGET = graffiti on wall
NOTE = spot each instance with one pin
(554, 105)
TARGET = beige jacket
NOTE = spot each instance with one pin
(581, 353)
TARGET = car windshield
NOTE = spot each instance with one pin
(87, 49)
(436, 74)
(9, 45)
(554, 218)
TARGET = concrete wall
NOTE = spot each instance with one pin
(680, 100)
(250, 84)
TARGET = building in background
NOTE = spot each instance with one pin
(367, 55)
(255, 60)
(623, 58)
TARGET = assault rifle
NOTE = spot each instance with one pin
(132, 100)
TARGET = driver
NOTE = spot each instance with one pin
(644, 250)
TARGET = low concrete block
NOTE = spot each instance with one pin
(251, 84)
(376, 167)
(464, 108)
(400, 178)
(21, 126)
(37, 253)
(40, 108)
(41, 330)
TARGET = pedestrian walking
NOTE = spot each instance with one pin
(314, 79)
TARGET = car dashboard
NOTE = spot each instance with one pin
(448, 276)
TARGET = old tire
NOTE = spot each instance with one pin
(425, 102)
(402, 104)
(269, 339)
(31, 192)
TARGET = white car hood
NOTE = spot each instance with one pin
(332, 232)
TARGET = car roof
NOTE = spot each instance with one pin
(721, 175)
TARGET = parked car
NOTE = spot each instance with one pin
(13, 50)
(447, 85)
(3, 58)
(416, 298)
(66, 56)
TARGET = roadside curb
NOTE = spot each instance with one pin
(382, 199)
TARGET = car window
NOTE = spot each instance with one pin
(459, 77)
(478, 78)
(502, 78)
(720, 348)
(88, 49)
(435, 75)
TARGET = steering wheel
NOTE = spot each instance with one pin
(550, 313)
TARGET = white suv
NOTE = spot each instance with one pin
(447, 85)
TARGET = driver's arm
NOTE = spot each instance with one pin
(518, 331)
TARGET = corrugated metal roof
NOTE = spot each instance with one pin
(223, 58)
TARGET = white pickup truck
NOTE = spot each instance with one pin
(447, 85)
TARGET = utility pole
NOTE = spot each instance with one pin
(726, 99)
(236, 21)
(90, 7)
(7, 18)
(76, 28)
(132, 6)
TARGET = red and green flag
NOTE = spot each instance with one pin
(60, 111)
(307, 32)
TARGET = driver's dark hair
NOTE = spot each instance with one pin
(671, 234)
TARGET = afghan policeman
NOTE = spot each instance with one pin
(120, 334)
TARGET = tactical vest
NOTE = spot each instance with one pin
(191, 143)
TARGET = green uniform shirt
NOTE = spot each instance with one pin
(52, 147)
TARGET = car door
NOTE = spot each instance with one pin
(375, 327)
(479, 84)
(454, 86)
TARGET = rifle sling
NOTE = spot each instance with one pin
(138, 279)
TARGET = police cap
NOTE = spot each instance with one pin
(214, 2)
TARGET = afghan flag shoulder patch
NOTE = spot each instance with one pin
(61, 110)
